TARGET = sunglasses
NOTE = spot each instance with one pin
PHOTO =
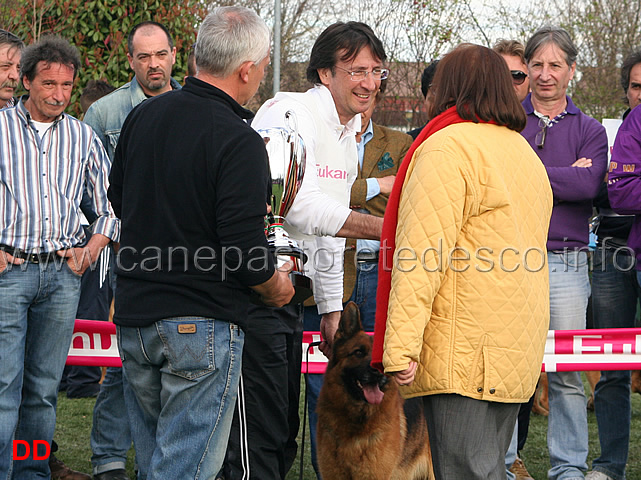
(518, 77)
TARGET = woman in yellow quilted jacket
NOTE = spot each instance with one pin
(467, 300)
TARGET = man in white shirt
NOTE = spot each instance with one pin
(346, 67)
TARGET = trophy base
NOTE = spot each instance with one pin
(302, 287)
(302, 290)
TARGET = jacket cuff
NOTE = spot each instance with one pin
(329, 305)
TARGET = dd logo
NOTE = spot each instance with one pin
(22, 450)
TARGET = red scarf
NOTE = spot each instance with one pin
(388, 237)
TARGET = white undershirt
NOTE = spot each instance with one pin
(41, 126)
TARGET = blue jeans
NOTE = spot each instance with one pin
(364, 295)
(182, 384)
(38, 305)
(110, 432)
(615, 293)
(567, 421)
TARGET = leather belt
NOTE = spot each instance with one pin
(29, 257)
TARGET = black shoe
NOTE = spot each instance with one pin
(118, 474)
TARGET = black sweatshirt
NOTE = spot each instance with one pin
(189, 183)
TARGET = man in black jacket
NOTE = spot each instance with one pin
(190, 187)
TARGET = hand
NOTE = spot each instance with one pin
(278, 290)
(328, 327)
(78, 259)
(6, 259)
(583, 162)
(406, 377)
(386, 184)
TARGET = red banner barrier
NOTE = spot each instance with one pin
(94, 343)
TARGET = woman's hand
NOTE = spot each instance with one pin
(406, 377)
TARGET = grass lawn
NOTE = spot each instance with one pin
(74, 426)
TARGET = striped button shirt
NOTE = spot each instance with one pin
(42, 179)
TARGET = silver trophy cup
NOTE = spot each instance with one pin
(287, 159)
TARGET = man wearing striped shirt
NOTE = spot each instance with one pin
(48, 159)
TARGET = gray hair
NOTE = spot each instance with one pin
(228, 37)
(557, 36)
(8, 38)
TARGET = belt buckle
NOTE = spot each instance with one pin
(367, 258)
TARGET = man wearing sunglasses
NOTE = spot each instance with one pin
(346, 67)
(573, 148)
(512, 52)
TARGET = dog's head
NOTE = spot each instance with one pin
(352, 355)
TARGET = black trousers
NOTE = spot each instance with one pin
(94, 303)
(262, 443)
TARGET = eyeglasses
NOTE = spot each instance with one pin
(518, 77)
(360, 75)
(543, 125)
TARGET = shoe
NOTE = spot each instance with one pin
(59, 471)
(518, 469)
(117, 474)
(596, 475)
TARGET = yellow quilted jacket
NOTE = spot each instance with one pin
(469, 299)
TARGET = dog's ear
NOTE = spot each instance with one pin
(350, 323)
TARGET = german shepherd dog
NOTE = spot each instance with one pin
(365, 429)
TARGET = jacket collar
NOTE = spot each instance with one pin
(529, 108)
(329, 114)
(207, 90)
(138, 94)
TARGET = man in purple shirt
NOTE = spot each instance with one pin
(624, 181)
(573, 148)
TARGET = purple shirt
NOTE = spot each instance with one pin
(574, 136)
(624, 181)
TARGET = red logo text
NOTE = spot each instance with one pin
(23, 450)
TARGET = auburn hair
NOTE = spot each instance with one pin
(477, 81)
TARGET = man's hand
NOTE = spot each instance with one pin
(278, 290)
(328, 327)
(406, 377)
(6, 259)
(79, 259)
(583, 163)
(386, 184)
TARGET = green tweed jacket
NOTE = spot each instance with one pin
(383, 155)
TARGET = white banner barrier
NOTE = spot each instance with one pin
(94, 343)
